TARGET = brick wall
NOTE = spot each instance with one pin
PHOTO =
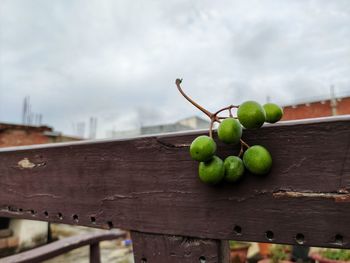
(343, 106)
(18, 135)
(316, 109)
(21, 137)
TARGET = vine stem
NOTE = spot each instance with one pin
(213, 116)
(226, 108)
(244, 143)
(223, 118)
(205, 111)
(230, 113)
(241, 151)
(211, 128)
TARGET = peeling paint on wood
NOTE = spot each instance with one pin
(26, 164)
(337, 197)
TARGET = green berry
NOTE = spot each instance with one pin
(234, 168)
(251, 115)
(212, 171)
(230, 131)
(202, 148)
(257, 160)
(273, 112)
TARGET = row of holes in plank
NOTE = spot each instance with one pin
(75, 218)
(59, 215)
(299, 237)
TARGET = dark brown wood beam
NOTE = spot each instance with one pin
(174, 249)
(150, 184)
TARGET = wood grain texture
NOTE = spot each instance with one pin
(62, 246)
(150, 184)
(153, 248)
(95, 256)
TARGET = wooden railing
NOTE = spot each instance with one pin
(65, 245)
(149, 185)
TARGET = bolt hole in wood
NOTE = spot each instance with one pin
(237, 230)
(269, 235)
(60, 216)
(202, 259)
(110, 224)
(20, 210)
(339, 239)
(46, 213)
(33, 212)
(76, 218)
(143, 260)
(300, 239)
(93, 219)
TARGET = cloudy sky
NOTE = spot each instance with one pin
(118, 60)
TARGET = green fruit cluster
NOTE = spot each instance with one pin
(256, 159)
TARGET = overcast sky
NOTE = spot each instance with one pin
(118, 60)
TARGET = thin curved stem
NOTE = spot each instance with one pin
(211, 127)
(217, 118)
(241, 151)
(205, 111)
(230, 112)
(226, 108)
(244, 143)
(222, 118)
(213, 116)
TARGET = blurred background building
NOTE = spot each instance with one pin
(316, 109)
(190, 123)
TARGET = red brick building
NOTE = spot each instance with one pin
(17, 135)
(339, 106)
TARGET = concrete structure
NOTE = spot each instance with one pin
(18, 234)
(191, 123)
(315, 109)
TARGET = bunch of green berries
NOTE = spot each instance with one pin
(256, 159)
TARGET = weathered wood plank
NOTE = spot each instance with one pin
(95, 256)
(150, 185)
(62, 246)
(174, 249)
